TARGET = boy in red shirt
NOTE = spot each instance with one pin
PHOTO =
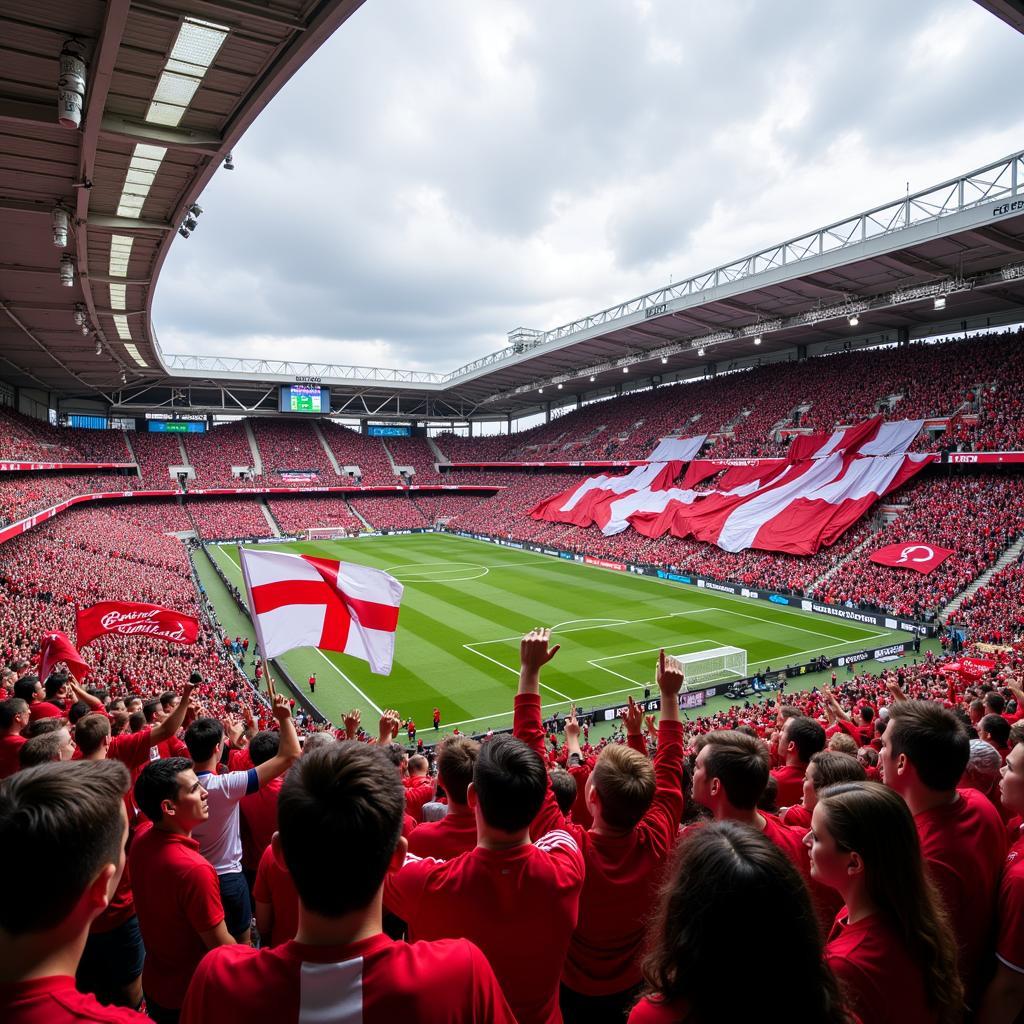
(508, 891)
(67, 820)
(800, 739)
(925, 750)
(14, 719)
(340, 813)
(455, 833)
(635, 808)
(177, 895)
(419, 787)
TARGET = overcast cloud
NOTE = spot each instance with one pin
(440, 173)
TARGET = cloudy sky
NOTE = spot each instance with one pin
(443, 172)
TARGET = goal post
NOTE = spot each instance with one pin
(327, 532)
(704, 668)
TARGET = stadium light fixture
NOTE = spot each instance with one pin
(700, 352)
(70, 86)
(559, 387)
(67, 271)
(79, 314)
(540, 391)
(229, 164)
(190, 223)
(625, 369)
(196, 210)
(183, 232)
(99, 347)
(124, 377)
(59, 219)
(664, 360)
(757, 340)
(940, 302)
(854, 320)
(86, 327)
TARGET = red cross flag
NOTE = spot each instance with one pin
(304, 601)
(914, 554)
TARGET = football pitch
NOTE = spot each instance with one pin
(467, 603)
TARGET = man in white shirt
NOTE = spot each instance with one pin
(220, 840)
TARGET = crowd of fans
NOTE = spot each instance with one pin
(32, 440)
(291, 445)
(417, 453)
(215, 453)
(870, 829)
(351, 448)
(293, 515)
(994, 614)
(23, 493)
(228, 517)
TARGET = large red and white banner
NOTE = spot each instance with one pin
(677, 449)
(132, 618)
(586, 503)
(55, 647)
(304, 601)
(819, 446)
(911, 554)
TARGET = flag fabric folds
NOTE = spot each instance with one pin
(911, 554)
(132, 618)
(55, 647)
(677, 449)
(304, 601)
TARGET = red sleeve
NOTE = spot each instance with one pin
(201, 899)
(666, 810)
(850, 729)
(526, 726)
(176, 748)
(580, 812)
(239, 760)
(131, 749)
(1010, 943)
(261, 888)
(404, 888)
(637, 743)
(211, 979)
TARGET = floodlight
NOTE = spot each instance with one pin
(59, 220)
(700, 351)
(664, 360)
(757, 340)
(559, 387)
(79, 314)
(183, 232)
(70, 87)
(195, 209)
(625, 369)
(86, 328)
(67, 271)
(940, 302)
(229, 164)
(99, 347)
(592, 378)
(854, 320)
(190, 223)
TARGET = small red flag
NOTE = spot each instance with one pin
(132, 618)
(55, 647)
(911, 554)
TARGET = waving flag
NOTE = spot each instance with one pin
(55, 647)
(132, 618)
(304, 601)
(911, 554)
(818, 446)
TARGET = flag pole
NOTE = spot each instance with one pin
(256, 622)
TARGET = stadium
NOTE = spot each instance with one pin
(771, 514)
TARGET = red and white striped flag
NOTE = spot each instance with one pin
(304, 601)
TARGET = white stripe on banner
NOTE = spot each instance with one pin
(275, 566)
(331, 993)
(893, 438)
(637, 479)
(741, 526)
(291, 625)
(677, 449)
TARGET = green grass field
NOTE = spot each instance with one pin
(467, 603)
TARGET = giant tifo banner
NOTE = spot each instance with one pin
(796, 507)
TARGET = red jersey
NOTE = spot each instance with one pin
(530, 890)
(376, 981)
(419, 790)
(882, 982)
(797, 816)
(455, 833)
(1010, 941)
(653, 1011)
(790, 782)
(10, 753)
(274, 885)
(56, 1001)
(177, 896)
(259, 821)
(622, 876)
(964, 846)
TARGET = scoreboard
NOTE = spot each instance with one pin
(305, 398)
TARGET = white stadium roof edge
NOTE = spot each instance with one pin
(170, 87)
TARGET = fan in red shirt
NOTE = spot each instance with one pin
(827, 768)
(340, 813)
(724, 877)
(636, 808)
(925, 750)
(111, 966)
(800, 739)
(177, 895)
(14, 719)
(43, 928)
(729, 777)
(1004, 997)
(419, 787)
(506, 891)
(455, 833)
(276, 902)
(259, 810)
(891, 946)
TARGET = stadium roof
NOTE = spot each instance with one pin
(171, 86)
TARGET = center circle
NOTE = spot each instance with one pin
(438, 572)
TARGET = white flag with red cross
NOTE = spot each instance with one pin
(305, 601)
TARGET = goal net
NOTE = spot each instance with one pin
(327, 532)
(706, 667)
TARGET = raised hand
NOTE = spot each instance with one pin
(572, 729)
(632, 717)
(670, 677)
(282, 712)
(534, 650)
(351, 721)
